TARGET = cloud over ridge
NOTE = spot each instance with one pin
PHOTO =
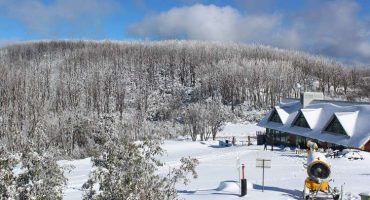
(331, 28)
(209, 22)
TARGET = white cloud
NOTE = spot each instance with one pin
(332, 28)
(364, 49)
(51, 18)
(195, 22)
(210, 22)
(335, 29)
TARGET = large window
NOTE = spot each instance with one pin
(301, 121)
(274, 117)
(335, 127)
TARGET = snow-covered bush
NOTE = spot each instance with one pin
(30, 176)
(127, 170)
(40, 177)
(7, 165)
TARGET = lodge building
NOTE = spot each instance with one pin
(334, 124)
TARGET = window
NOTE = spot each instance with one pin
(335, 127)
(301, 121)
(274, 117)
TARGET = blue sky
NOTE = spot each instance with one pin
(337, 29)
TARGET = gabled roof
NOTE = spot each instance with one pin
(274, 117)
(300, 121)
(348, 121)
(285, 110)
(335, 127)
(354, 118)
(282, 114)
(311, 115)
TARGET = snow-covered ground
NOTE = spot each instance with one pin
(218, 174)
(239, 130)
(76, 177)
(284, 180)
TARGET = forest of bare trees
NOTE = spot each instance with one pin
(70, 96)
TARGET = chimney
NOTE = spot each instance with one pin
(308, 97)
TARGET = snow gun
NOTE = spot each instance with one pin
(318, 168)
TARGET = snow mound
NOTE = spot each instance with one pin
(228, 186)
(183, 138)
(286, 149)
(232, 186)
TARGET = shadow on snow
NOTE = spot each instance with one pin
(295, 194)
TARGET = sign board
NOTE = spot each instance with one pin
(263, 163)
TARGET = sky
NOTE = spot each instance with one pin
(335, 29)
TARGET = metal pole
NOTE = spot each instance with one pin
(263, 175)
(243, 171)
(238, 166)
(243, 183)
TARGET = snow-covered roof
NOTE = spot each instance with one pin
(311, 116)
(286, 110)
(354, 118)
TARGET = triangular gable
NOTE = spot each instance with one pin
(312, 116)
(301, 121)
(282, 114)
(348, 121)
(274, 117)
(335, 127)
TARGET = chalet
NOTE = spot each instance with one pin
(335, 124)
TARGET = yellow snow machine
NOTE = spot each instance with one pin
(316, 185)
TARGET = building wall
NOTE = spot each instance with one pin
(367, 146)
(281, 138)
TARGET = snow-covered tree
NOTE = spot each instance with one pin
(193, 121)
(7, 164)
(216, 118)
(128, 170)
(30, 176)
(54, 93)
(40, 177)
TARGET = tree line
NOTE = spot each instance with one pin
(69, 96)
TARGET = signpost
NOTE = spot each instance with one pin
(263, 163)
